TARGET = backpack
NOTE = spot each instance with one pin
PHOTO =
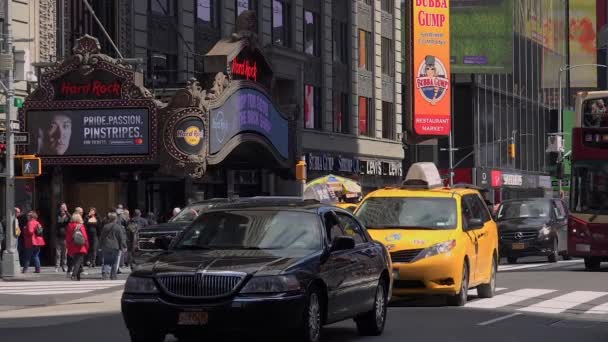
(39, 230)
(78, 237)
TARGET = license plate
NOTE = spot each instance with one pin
(193, 318)
(518, 246)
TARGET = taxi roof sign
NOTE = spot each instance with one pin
(423, 176)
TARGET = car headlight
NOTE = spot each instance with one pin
(545, 230)
(436, 249)
(140, 285)
(271, 284)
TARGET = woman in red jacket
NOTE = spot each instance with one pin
(33, 240)
(77, 243)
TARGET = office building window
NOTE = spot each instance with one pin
(162, 69)
(387, 6)
(312, 107)
(341, 122)
(245, 5)
(366, 117)
(206, 12)
(311, 33)
(340, 42)
(366, 57)
(161, 7)
(388, 57)
(388, 121)
(280, 23)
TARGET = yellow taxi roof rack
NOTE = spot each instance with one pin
(422, 176)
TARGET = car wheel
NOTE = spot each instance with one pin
(372, 323)
(592, 264)
(512, 260)
(310, 331)
(487, 290)
(139, 336)
(460, 299)
(553, 256)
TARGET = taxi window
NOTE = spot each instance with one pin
(433, 213)
(475, 208)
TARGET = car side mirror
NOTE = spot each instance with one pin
(162, 243)
(474, 223)
(342, 243)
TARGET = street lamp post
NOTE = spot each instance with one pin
(560, 132)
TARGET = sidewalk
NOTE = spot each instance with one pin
(49, 274)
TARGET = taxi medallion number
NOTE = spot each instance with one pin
(193, 318)
(519, 245)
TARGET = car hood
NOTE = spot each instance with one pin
(168, 226)
(523, 223)
(400, 239)
(247, 261)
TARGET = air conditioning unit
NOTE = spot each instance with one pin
(555, 143)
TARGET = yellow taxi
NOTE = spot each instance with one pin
(347, 206)
(441, 240)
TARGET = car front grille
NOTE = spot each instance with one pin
(145, 240)
(519, 236)
(405, 256)
(200, 285)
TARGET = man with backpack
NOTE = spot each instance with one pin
(112, 241)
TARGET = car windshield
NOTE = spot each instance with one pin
(589, 188)
(190, 213)
(253, 229)
(524, 209)
(408, 213)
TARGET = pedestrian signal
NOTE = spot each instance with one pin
(27, 166)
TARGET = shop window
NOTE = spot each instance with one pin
(366, 58)
(388, 120)
(280, 23)
(245, 5)
(206, 12)
(388, 57)
(340, 41)
(366, 117)
(311, 33)
(387, 6)
(162, 7)
(341, 122)
(312, 107)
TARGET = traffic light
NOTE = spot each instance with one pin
(511, 151)
(27, 166)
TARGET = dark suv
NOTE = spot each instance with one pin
(532, 227)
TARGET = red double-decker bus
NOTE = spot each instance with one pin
(588, 219)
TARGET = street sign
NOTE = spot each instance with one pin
(15, 125)
(18, 102)
(21, 138)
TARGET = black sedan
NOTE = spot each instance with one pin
(260, 266)
(532, 227)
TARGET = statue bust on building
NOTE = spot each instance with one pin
(246, 26)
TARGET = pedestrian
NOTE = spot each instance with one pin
(77, 243)
(120, 220)
(33, 240)
(112, 242)
(20, 242)
(135, 224)
(94, 227)
(60, 250)
(151, 218)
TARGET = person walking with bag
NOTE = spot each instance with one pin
(112, 242)
(60, 250)
(94, 226)
(77, 243)
(33, 240)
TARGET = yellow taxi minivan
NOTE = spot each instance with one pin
(441, 240)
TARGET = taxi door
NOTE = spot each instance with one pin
(469, 240)
(484, 236)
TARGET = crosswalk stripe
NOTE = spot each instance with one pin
(563, 303)
(598, 310)
(56, 287)
(52, 283)
(508, 298)
(519, 267)
(559, 264)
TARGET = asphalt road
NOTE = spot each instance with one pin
(536, 302)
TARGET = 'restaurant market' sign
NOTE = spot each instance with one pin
(118, 131)
(431, 38)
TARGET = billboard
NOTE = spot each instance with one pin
(482, 36)
(120, 131)
(431, 69)
(583, 47)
